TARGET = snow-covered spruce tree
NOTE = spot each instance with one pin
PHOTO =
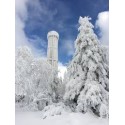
(87, 88)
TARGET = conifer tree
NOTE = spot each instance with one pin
(87, 88)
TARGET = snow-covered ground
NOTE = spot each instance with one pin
(34, 118)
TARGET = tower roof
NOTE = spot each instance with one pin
(51, 33)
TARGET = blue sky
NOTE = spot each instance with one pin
(40, 16)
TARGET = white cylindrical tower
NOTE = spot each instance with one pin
(52, 51)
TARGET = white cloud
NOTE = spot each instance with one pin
(62, 69)
(21, 39)
(102, 23)
(20, 17)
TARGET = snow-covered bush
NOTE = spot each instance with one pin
(32, 106)
(88, 73)
(55, 109)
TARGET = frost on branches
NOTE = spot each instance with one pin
(35, 84)
(88, 84)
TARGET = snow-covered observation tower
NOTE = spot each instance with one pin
(52, 50)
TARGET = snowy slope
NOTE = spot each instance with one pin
(34, 118)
